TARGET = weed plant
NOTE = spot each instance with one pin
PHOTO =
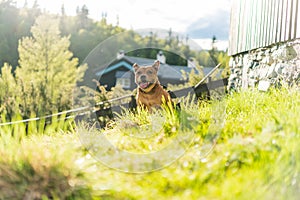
(255, 155)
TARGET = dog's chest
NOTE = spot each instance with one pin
(149, 98)
(154, 98)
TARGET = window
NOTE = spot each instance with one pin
(124, 82)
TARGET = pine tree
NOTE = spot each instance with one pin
(47, 71)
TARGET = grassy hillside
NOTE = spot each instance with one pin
(256, 155)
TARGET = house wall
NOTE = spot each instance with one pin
(277, 64)
(109, 78)
(264, 42)
(259, 23)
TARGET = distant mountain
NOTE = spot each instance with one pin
(205, 27)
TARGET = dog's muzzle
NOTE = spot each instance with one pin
(144, 84)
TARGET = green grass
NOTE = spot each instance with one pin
(255, 154)
(41, 167)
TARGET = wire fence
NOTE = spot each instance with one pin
(75, 110)
(197, 89)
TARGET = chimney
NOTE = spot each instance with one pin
(120, 54)
(161, 57)
(191, 63)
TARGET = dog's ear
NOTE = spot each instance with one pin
(135, 67)
(156, 65)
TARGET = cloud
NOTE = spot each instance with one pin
(198, 19)
(216, 24)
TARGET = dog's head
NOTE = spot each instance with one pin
(146, 76)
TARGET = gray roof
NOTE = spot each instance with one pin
(165, 70)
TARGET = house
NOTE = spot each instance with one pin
(264, 43)
(120, 71)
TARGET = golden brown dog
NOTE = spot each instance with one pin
(150, 93)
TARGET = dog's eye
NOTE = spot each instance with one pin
(149, 72)
(139, 73)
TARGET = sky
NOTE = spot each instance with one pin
(199, 19)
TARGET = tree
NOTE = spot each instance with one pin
(214, 51)
(8, 91)
(223, 58)
(8, 38)
(47, 71)
(82, 17)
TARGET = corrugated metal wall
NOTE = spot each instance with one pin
(259, 23)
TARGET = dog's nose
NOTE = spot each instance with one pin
(143, 78)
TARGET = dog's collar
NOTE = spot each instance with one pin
(151, 90)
